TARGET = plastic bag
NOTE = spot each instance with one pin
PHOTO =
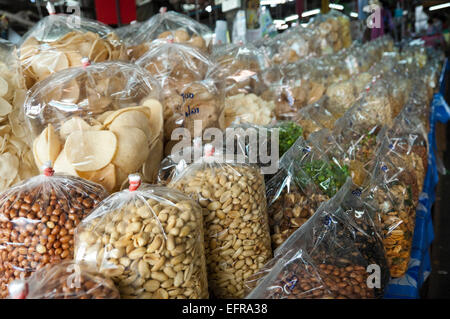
(100, 122)
(396, 183)
(248, 108)
(237, 237)
(65, 280)
(240, 67)
(58, 42)
(149, 241)
(168, 26)
(16, 158)
(329, 256)
(290, 203)
(291, 45)
(37, 221)
(334, 31)
(180, 69)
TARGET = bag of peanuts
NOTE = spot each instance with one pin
(237, 239)
(100, 122)
(60, 41)
(37, 222)
(171, 26)
(149, 241)
(65, 280)
(337, 253)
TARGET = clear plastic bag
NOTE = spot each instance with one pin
(396, 184)
(290, 203)
(58, 42)
(240, 67)
(291, 45)
(37, 222)
(327, 257)
(65, 280)
(100, 122)
(181, 71)
(149, 241)
(237, 239)
(16, 158)
(334, 31)
(171, 26)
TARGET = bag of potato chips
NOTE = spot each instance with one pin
(60, 41)
(100, 122)
(16, 159)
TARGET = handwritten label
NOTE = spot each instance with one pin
(190, 111)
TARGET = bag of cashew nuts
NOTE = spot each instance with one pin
(100, 122)
(337, 253)
(65, 280)
(149, 241)
(232, 195)
(38, 219)
(60, 41)
(168, 26)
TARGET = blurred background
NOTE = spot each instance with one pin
(402, 19)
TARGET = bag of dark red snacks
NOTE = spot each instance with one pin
(336, 254)
(65, 280)
(37, 221)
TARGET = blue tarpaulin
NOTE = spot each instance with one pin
(419, 266)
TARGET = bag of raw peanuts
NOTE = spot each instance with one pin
(237, 239)
(337, 253)
(149, 241)
(37, 222)
(65, 280)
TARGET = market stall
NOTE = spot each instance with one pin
(116, 162)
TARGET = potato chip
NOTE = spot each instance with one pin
(63, 166)
(90, 150)
(156, 116)
(74, 124)
(105, 177)
(132, 149)
(4, 87)
(48, 62)
(133, 118)
(9, 168)
(5, 107)
(112, 116)
(47, 146)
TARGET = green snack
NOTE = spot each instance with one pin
(328, 176)
(289, 132)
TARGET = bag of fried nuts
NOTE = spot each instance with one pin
(232, 195)
(395, 187)
(38, 219)
(337, 253)
(65, 280)
(149, 241)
